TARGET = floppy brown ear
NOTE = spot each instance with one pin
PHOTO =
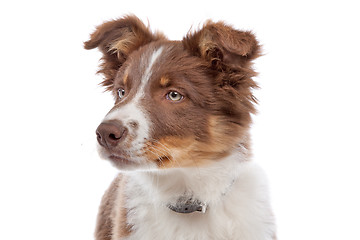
(116, 40)
(228, 53)
(223, 47)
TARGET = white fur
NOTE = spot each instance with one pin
(156, 54)
(133, 111)
(128, 113)
(234, 190)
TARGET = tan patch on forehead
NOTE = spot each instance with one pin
(164, 81)
(126, 77)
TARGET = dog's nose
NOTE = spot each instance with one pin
(110, 133)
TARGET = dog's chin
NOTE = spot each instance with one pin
(126, 163)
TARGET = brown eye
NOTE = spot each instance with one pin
(121, 93)
(174, 96)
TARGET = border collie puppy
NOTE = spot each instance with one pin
(179, 134)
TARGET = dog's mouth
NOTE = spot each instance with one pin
(143, 160)
(126, 163)
(120, 160)
(163, 161)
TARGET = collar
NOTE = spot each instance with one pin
(187, 204)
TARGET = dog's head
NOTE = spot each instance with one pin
(177, 103)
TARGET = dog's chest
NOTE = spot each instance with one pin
(242, 213)
(159, 222)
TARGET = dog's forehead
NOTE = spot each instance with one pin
(150, 62)
(141, 61)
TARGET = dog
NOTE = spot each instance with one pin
(179, 134)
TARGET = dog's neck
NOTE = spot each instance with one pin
(205, 185)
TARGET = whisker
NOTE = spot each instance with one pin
(158, 157)
(159, 147)
(166, 153)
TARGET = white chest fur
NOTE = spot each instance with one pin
(235, 192)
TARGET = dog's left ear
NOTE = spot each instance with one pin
(223, 47)
(229, 54)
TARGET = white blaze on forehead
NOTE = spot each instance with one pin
(133, 111)
(147, 74)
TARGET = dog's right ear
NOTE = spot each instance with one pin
(116, 40)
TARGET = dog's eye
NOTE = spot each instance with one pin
(121, 93)
(174, 96)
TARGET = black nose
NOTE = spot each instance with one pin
(110, 133)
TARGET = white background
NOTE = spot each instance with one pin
(306, 135)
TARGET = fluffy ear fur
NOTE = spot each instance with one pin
(228, 53)
(223, 46)
(116, 40)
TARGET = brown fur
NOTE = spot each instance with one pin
(116, 40)
(104, 226)
(108, 217)
(210, 67)
(122, 229)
